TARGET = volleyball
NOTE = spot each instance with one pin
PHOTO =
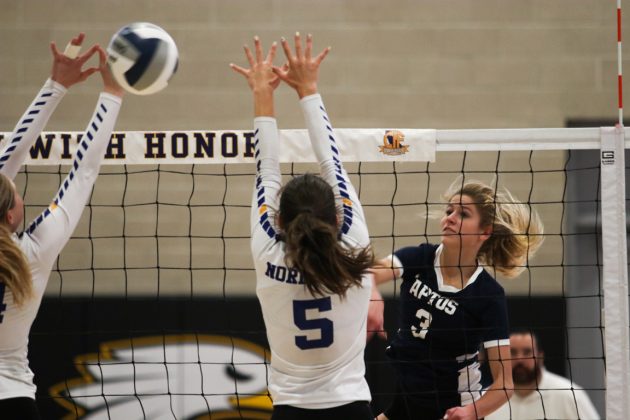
(142, 58)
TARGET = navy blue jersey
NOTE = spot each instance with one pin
(441, 329)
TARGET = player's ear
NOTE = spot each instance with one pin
(486, 233)
(8, 218)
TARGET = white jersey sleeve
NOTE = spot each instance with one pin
(51, 230)
(326, 150)
(29, 127)
(41, 244)
(267, 185)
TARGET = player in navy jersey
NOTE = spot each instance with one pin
(27, 259)
(450, 306)
(311, 253)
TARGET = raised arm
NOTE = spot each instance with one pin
(331, 167)
(262, 81)
(67, 70)
(52, 229)
(268, 181)
(302, 75)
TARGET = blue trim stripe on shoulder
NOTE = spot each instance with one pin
(71, 175)
(263, 211)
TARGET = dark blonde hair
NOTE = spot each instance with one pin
(517, 231)
(14, 269)
(309, 220)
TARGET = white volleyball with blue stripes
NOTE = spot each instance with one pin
(142, 58)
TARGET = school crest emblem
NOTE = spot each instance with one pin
(393, 143)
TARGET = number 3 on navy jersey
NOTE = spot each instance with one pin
(425, 320)
(324, 325)
(3, 306)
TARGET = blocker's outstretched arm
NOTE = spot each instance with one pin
(52, 229)
(66, 71)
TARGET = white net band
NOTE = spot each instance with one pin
(357, 145)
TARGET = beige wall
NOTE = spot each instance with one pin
(415, 63)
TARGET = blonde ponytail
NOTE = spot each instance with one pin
(15, 272)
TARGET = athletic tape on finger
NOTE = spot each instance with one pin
(72, 51)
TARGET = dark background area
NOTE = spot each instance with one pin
(66, 328)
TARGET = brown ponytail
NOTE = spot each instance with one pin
(312, 246)
(14, 269)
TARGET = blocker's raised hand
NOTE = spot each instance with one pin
(259, 75)
(67, 70)
(303, 69)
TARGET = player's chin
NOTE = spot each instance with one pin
(450, 237)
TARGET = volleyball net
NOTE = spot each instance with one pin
(150, 311)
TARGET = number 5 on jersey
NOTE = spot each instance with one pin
(324, 325)
(425, 320)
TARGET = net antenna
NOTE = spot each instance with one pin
(619, 65)
(615, 259)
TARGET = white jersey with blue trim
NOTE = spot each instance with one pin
(44, 239)
(317, 343)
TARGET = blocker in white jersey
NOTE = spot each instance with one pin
(450, 306)
(29, 256)
(311, 253)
